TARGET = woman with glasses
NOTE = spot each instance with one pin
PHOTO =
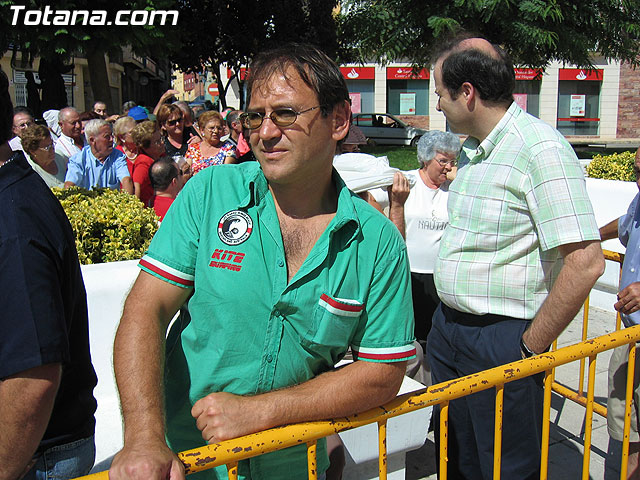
(147, 137)
(38, 145)
(211, 151)
(171, 121)
(421, 216)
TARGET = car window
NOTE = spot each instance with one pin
(364, 120)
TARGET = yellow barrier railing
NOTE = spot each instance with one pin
(230, 452)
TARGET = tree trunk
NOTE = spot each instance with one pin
(97, 65)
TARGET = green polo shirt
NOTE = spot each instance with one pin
(248, 330)
(517, 197)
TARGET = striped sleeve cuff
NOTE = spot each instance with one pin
(389, 354)
(165, 272)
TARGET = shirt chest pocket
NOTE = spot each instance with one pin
(335, 321)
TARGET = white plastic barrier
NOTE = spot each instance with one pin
(610, 200)
(107, 286)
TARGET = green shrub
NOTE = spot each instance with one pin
(617, 166)
(109, 225)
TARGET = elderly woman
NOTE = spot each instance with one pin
(38, 145)
(211, 151)
(421, 216)
(124, 142)
(147, 138)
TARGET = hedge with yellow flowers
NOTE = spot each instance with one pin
(618, 166)
(109, 225)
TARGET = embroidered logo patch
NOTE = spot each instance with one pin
(226, 259)
(235, 227)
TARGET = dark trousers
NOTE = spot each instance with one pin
(461, 344)
(425, 301)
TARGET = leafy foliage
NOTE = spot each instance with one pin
(109, 225)
(533, 31)
(618, 166)
(232, 32)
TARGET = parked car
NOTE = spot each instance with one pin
(385, 129)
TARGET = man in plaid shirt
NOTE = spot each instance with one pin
(517, 261)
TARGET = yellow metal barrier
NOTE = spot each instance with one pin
(231, 451)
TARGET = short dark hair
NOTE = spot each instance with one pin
(20, 109)
(493, 78)
(6, 109)
(315, 68)
(162, 173)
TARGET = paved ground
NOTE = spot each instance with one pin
(567, 419)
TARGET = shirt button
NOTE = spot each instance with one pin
(276, 313)
(269, 358)
(280, 263)
(633, 270)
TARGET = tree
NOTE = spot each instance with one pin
(58, 43)
(231, 33)
(534, 32)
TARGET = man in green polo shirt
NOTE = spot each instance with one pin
(283, 269)
(516, 262)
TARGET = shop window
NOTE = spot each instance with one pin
(527, 95)
(404, 95)
(578, 107)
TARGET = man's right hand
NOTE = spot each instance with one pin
(146, 461)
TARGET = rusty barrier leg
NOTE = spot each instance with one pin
(497, 435)
(382, 449)
(444, 439)
(232, 470)
(588, 425)
(627, 411)
(546, 413)
(312, 459)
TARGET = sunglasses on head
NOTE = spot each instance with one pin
(282, 117)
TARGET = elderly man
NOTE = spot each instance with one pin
(167, 180)
(46, 377)
(235, 132)
(282, 274)
(71, 140)
(99, 164)
(516, 262)
(22, 119)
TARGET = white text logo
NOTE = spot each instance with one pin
(91, 17)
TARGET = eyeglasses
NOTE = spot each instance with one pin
(171, 123)
(24, 125)
(215, 129)
(47, 148)
(282, 117)
(444, 163)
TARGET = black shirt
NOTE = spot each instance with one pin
(43, 300)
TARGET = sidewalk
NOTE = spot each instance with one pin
(567, 418)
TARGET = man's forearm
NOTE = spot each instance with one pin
(610, 230)
(26, 402)
(583, 265)
(396, 215)
(352, 389)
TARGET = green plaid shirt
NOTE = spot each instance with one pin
(517, 196)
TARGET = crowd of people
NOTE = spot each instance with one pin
(91, 149)
(277, 271)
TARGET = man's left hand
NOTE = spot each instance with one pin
(221, 416)
(629, 299)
